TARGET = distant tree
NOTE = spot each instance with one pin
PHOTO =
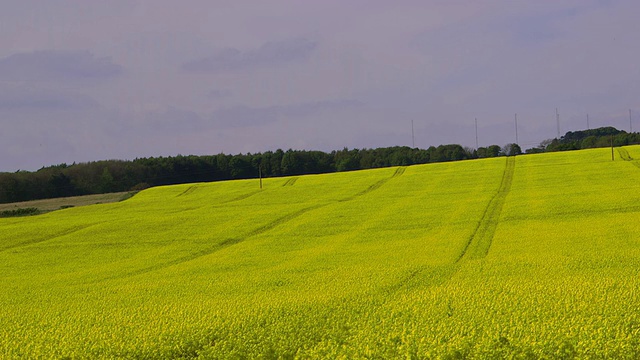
(346, 159)
(534, 150)
(494, 151)
(61, 186)
(106, 181)
(589, 142)
(291, 164)
(240, 168)
(276, 162)
(511, 149)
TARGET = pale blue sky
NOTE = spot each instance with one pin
(86, 80)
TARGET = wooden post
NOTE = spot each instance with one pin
(260, 175)
(612, 157)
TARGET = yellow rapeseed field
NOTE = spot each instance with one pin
(534, 256)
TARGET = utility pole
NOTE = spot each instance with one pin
(630, 128)
(612, 156)
(558, 122)
(476, 133)
(413, 139)
(517, 129)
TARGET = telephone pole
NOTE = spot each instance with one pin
(612, 156)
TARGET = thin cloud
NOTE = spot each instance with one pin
(219, 94)
(540, 28)
(268, 55)
(174, 121)
(244, 116)
(56, 65)
(19, 98)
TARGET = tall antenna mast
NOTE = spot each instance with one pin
(516, 128)
(588, 122)
(413, 139)
(476, 133)
(558, 122)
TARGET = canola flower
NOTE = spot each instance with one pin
(528, 257)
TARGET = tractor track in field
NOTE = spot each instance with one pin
(188, 191)
(290, 181)
(255, 232)
(375, 186)
(53, 237)
(241, 197)
(624, 155)
(480, 241)
(221, 245)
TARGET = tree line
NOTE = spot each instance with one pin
(107, 176)
(118, 175)
(588, 139)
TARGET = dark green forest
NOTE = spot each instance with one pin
(118, 175)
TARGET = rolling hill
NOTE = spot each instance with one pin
(534, 256)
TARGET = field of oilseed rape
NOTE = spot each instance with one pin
(534, 256)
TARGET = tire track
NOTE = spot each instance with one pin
(624, 155)
(375, 186)
(241, 197)
(53, 237)
(438, 275)
(219, 246)
(399, 171)
(476, 247)
(188, 191)
(255, 232)
(480, 241)
(290, 181)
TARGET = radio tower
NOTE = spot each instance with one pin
(558, 122)
(476, 133)
(516, 118)
(587, 121)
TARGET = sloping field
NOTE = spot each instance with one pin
(536, 256)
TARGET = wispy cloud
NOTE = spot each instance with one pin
(219, 94)
(174, 121)
(244, 116)
(538, 28)
(55, 65)
(269, 54)
(22, 98)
